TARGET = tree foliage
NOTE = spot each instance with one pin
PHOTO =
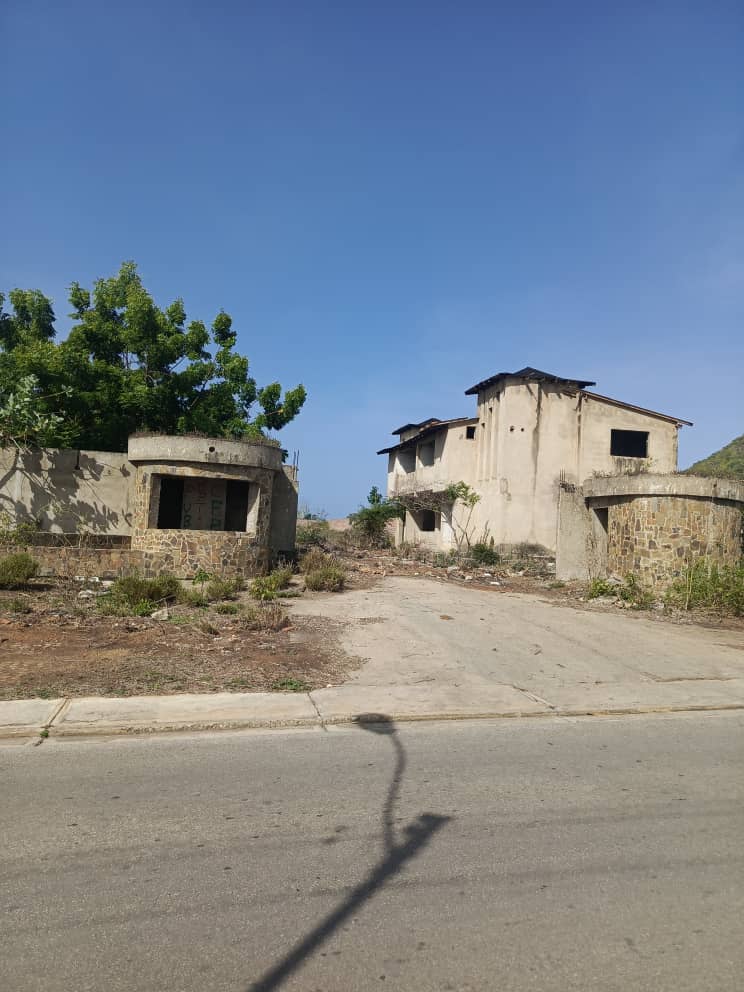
(23, 423)
(129, 365)
(370, 521)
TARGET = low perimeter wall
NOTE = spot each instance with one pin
(119, 559)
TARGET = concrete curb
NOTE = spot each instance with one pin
(83, 718)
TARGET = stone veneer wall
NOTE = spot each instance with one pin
(112, 563)
(184, 552)
(657, 536)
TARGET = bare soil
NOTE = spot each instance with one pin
(64, 647)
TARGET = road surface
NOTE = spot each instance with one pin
(535, 854)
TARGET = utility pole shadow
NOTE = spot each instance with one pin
(416, 835)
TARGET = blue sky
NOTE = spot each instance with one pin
(395, 200)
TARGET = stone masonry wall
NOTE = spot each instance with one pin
(657, 536)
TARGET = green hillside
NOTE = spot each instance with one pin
(728, 462)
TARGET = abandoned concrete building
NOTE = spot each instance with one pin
(550, 462)
(170, 504)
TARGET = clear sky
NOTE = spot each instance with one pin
(396, 199)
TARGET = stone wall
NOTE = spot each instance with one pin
(656, 537)
(184, 552)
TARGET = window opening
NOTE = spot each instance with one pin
(629, 444)
(407, 460)
(428, 520)
(470, 433)
(170, 508)
(426, 454)
(236, 504)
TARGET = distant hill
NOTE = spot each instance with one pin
(728, 462)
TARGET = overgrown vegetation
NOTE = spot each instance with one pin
(16, 571)
(328, 578)
(268, 587)
(126, 365)
(369, 523)
(264, 617)
(484, 554)
(312, 534)
(631, 591)
(708, 585)
(135, 596)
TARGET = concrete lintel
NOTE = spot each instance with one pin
(643, 484)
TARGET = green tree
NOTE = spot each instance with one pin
(23, 424)
(129, 365)
(370, 522)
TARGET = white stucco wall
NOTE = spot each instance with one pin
(529, 437)
(67, 490)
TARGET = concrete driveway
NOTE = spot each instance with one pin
(478, 648)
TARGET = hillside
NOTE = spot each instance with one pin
(728, 462)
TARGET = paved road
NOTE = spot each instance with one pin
(426, 633)
(551, 854)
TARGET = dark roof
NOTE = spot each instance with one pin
(530, 374)
(432, 428)
(423, 423)
(638, 409)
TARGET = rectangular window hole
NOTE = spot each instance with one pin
(170, 507)
(428, 520)
(470, 433)
(426, 454)
(629, 444)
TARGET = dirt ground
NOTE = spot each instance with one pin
(64, 647)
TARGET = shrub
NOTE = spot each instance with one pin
(369, 523)
(192, 597)
(634, 592)
(227, 609)
(314, 559)
(133, 589)
(266, 617)
(600, 587)
(330, 578)
(312, 534)
(631, 590)
(282, 576)
(484, 554)
(16, 571)
(706, 584)
(224, 588)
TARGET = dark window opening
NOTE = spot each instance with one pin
(426, 454)
(629, 444)
(428, 520)
(603, 515)
(407, 460)
(170, 508)
(236, 505)
(470, 433)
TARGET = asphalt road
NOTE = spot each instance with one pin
(535, 854)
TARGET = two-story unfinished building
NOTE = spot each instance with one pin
(534, 435)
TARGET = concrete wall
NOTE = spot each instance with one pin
(106, 493)
(531, 438)
(598, 418)
(283, 514)
(66, 491)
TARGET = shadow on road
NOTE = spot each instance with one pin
(396, 853)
